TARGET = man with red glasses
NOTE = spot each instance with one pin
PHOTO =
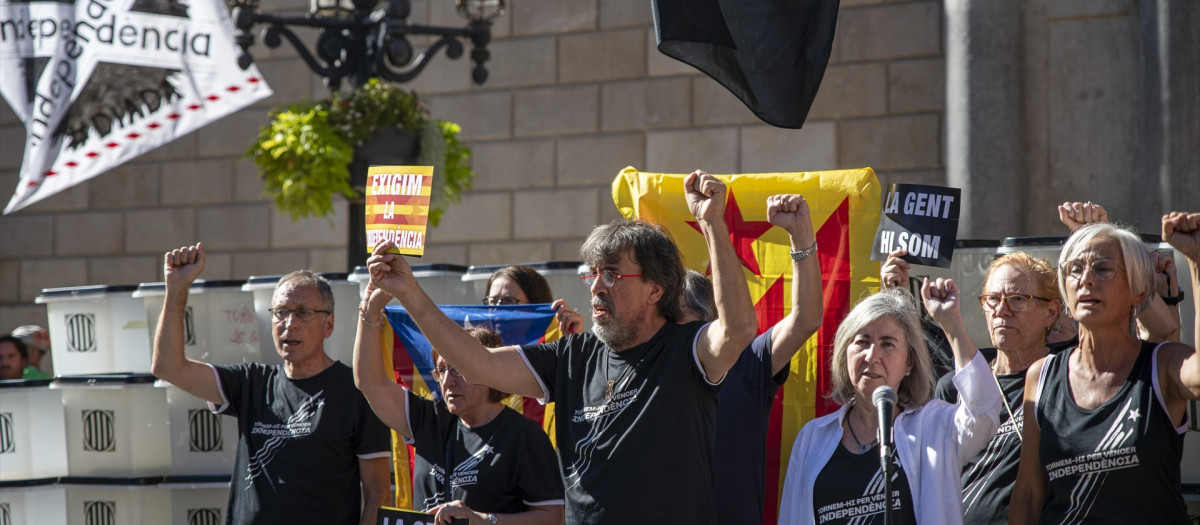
(306, 435)
(636, 399)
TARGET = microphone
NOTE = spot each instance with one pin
(884, 400)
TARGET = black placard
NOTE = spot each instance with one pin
(392, 516)
(921, 219)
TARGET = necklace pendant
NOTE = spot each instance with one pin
(609, 391)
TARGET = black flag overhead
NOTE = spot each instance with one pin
(770, 53)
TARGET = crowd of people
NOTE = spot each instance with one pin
(662, 409)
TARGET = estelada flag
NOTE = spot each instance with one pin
(98, 83)
(397, 207)
(844, 206)
(409, 355)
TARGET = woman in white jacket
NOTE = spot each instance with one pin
(834, 472)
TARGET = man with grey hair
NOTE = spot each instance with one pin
(740, 448)
(306, 435)
(635, 400)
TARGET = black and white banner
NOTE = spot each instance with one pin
(920, 219)
(99, 82)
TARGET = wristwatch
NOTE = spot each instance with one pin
(492, 518)
(1172, 301)
(805, 253)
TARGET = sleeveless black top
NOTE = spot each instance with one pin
(1117, 463)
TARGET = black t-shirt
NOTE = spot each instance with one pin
(645, 454)
(849, 490)
(740, 445)
(299, 441)
(504, 466)
(1118, 462)
(988, 478)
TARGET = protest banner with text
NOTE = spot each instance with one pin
(99, 82)
(920, 219)
(397, 207)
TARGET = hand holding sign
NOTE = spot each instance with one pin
(390, 272)
(569, 320)
(394, 516)
(447, 513)
(894, 272)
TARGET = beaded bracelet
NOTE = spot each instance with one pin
(362, 316)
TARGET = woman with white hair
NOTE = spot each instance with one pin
(1107, 436)
(834, 472)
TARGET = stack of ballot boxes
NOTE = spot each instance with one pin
(105, 442)
(32, 434)
(33, 452)
(219, 325)
(96, 330)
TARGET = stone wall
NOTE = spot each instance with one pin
(578, 91)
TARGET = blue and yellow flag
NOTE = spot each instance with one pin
(409, 355)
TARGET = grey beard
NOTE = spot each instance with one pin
(617, 337)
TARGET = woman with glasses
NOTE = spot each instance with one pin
(517, 284)
(476, 459)
(1106, 438)
(1159, 321)
(1020, 304)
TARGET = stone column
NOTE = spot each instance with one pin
(1169, 153)
(983, 115)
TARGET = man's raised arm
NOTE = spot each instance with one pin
(180, 268)
(500, 368)
(722, 341)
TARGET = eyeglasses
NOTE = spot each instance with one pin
(303, 315)
(1016, 302)
(608, 277)
(1102, 269)
(496, 300)
(441, 373)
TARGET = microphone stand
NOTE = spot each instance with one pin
(885, 463)
(884, 400)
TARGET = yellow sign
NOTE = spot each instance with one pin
(397, 207)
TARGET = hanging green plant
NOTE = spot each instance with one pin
(304, 153)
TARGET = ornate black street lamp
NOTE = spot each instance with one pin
(359, 40)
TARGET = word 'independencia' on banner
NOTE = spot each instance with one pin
(99, 82)
(397, 206)
(923, 220)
